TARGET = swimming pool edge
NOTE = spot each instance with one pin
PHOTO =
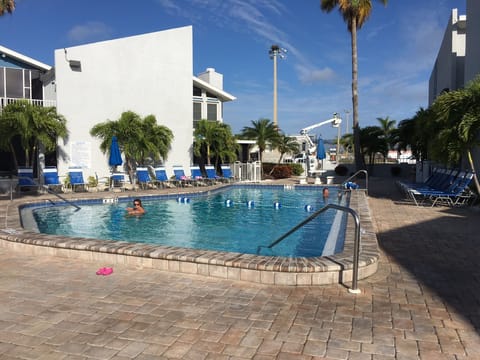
(244, 267)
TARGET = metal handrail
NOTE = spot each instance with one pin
(356, 247)
(355, 175)
(50, 191)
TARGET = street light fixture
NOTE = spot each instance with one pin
(274, 52)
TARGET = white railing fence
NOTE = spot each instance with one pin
(249, 172)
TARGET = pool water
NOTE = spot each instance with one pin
(238, 219)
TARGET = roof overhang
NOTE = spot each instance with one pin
(222, 95)
(17, 56)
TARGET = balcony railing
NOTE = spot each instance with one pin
(4, 101)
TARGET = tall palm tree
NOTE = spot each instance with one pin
(33, 126)
(354, 13)
(214, 140)
(205, 134)
(264, 131)
(7, 6)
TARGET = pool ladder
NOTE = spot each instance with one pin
(356, 247)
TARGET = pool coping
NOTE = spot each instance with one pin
(270, 270)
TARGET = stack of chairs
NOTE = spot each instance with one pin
(443, 187)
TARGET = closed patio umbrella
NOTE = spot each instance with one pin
(321, 151)
(115, 157)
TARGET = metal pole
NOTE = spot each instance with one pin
(275, 117)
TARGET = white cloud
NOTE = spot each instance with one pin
(90, 31)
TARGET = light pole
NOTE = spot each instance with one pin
(347, 113)
(274, 52)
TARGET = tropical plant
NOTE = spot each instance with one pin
(137, 138)
(32, 127)
(458, 114)
(263, 131)
(7, 6)
(215, 140)
(388, 128)
(372, 142)
(285, 145)
(354, 13)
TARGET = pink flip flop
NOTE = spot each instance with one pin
(104, 271)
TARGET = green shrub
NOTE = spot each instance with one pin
(341, 170)
(297, 169)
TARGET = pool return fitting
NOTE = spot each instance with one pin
(356, 245)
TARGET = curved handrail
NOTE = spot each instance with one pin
(356, 246)
(355, 175)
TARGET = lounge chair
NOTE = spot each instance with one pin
(161, 178)
(26, 181)
(117, 181)
(197, 176)
(180, 176)
(51, 179)
(143, 178)
(226, 173)
(211, 174)
(456, 193)
(76, 179)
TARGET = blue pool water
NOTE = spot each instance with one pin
(220, 221)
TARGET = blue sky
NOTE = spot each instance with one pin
(397, 48)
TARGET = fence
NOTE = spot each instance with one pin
(251, 171)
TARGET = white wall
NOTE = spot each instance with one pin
(147, 74)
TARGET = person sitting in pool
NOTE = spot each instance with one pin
(137, 208)
(325, 194)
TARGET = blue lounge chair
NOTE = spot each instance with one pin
(51, 179)
(211, 174)
(161, 177)
(25, 180)
(226, 173)
(197, 176)
(143, 178)
(180, 176)
(456, 193)
(76, 179)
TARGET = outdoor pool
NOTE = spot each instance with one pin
(235, 219)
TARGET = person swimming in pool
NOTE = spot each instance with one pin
(137, 208)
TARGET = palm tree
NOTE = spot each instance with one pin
(7, 6)
(285, 145)
(459, 114)
(354, 13)
(137, 138)
(32, 126)
(214, 139)
(264, 131)
(388, 126)
(372, 142)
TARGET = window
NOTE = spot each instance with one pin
(197, 111)
(212, 112)
(197, 91)
(14, 80)
(210, 95)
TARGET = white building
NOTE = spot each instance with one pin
(458, 60)
(147, 74)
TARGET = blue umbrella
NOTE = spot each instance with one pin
(115, 158)
(321, 150)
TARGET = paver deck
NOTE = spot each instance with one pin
(423, 302)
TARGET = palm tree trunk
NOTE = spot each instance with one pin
(359, 161)
(472, 166)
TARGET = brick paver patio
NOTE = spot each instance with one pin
(423, 303)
